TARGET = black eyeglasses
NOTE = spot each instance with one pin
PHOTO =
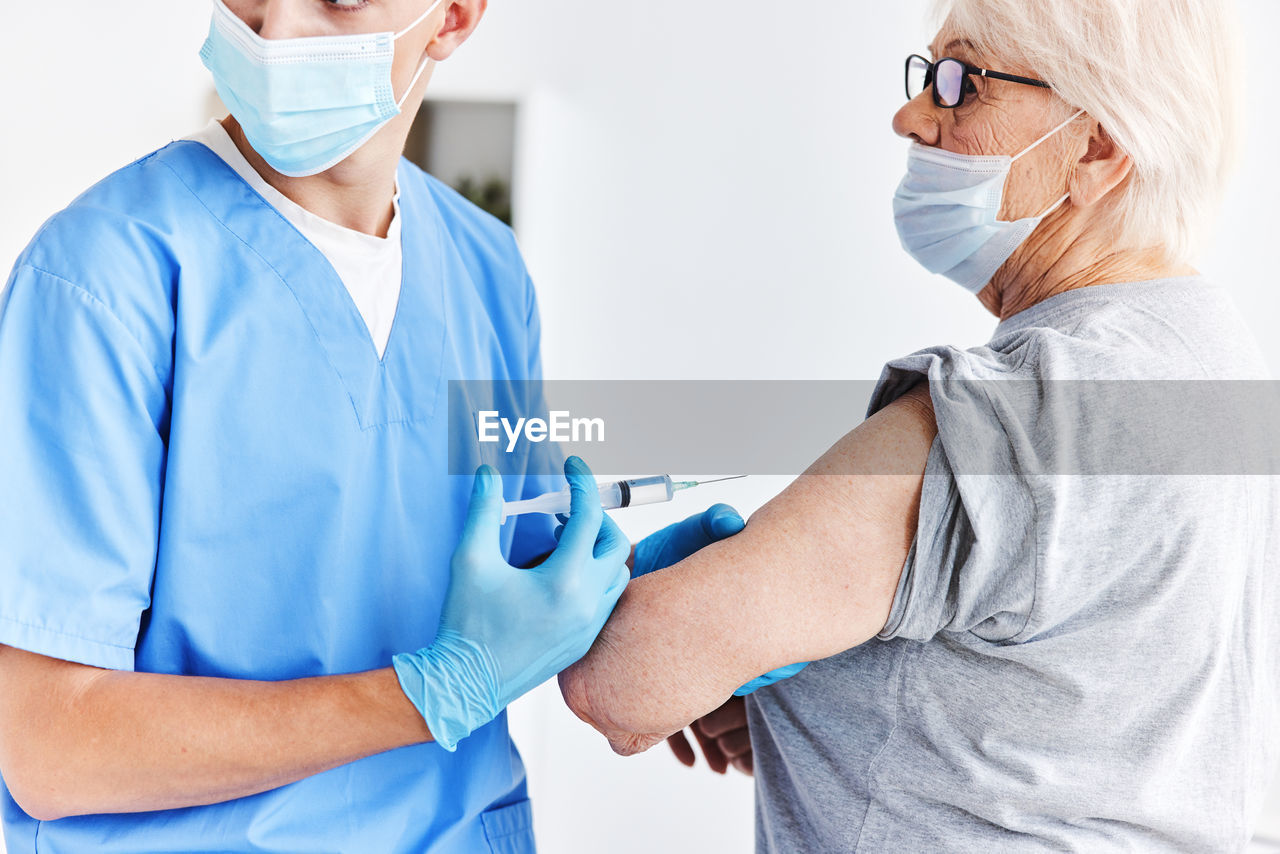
(950, 79)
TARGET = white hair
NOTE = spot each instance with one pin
(1162, 77)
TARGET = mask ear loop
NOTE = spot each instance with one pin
(420, 19)
(422, 69)
(1060, 202)
(1037, 143)
(426, 63)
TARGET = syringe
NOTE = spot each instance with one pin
(613, 495)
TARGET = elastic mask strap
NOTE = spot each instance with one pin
(419, 20)
(1059, 203)
(1033, 145)
(422, 69)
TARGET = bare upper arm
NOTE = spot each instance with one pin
(813, 574)
(829, 549)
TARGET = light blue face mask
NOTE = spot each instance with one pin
(305, 104)
(947, 208)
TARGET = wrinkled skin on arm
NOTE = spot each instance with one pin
(813, 574)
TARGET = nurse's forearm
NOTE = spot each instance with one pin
(76, 740)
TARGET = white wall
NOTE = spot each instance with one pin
(706, 189)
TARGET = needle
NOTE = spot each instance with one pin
(690, 484)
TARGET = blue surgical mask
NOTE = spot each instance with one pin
(947, 208)
(305, 104)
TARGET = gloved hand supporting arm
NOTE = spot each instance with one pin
(504, 630)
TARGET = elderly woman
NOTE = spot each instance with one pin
(1034, 660)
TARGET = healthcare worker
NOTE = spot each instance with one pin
(243, 605)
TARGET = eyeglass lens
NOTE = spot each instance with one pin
(947, 77)
(948, 82)
(917, 76)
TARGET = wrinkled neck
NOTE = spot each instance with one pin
(1058, 258)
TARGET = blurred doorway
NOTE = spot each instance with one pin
(471, 146)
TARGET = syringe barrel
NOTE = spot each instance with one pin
(646, 490)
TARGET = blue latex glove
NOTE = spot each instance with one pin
(504, 630)
(770, 677)
(676, 542)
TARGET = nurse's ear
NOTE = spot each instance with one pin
(460, 20)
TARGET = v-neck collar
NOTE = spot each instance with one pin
(403, 386)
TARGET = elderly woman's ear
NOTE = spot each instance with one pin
(1102, 168)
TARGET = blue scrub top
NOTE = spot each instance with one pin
(209, 471)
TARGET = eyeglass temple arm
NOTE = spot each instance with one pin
(1000, 75)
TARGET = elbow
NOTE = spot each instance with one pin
(596, 702)
(50, 783)
(37, 773)
(619, 721)
(575, 688)
(42, 736)
(39, 768)
(35, 796)
(43, 812)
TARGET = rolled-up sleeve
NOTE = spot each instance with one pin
(972, 566)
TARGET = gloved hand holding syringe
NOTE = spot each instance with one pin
(613, 495)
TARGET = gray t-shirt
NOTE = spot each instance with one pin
(1072, 662)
